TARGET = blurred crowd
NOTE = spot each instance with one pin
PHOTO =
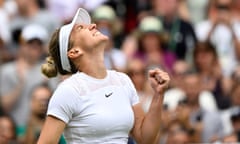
(196, 41)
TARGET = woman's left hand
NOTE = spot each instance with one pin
(159, 80)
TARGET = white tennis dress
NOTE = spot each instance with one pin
(96, 111)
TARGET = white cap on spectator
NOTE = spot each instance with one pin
(81, 16)
(150, 24)
(34, 31)
(104, 12)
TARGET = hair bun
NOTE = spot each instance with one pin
(49, 69)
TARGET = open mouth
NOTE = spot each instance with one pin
(96, 33)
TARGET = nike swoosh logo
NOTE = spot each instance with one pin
(108, 95)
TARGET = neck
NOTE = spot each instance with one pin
(93, 65)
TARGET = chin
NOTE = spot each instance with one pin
(104, 37)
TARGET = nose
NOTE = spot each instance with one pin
(92, 26)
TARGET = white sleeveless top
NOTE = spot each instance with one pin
(96, 111)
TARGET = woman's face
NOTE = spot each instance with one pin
(192, 87)
(150, 42)
(6, 130)
(87, 36)
(205, 60)
(39, 102)
(137, 72)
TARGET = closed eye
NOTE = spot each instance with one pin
(80, 27)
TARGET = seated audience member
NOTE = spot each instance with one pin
(206, 62)
(178, 134)
(137, 71)
(182, 38)
(7, 130)
(176, 94)
(17, 78)
(204, 121)
(150, 44)
(38, 107)
(235, 103)
(222, 30)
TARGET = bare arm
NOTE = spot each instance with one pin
(52, 130)
(147, 126)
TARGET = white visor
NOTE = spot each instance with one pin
(81, 17)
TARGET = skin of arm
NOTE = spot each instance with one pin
(52, 130)
(147, 126)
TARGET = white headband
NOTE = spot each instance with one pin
(82, 17)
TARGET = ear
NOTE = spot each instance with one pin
(75, 53)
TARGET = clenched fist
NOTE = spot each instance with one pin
(159, 80)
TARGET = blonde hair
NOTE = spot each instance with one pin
(53, 64)
(49, 69)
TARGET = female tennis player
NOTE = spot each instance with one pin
(95, 105)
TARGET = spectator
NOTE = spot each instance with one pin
(178, 133)
(30, 12)
(206, 63)
(207, 123)
(223, 32)
(150, 41)
(7, 130)
(180, 68)
(20, 76)
(137, 71)
(235, 101)
(38, 107)
(182, 38)
(176, 94)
